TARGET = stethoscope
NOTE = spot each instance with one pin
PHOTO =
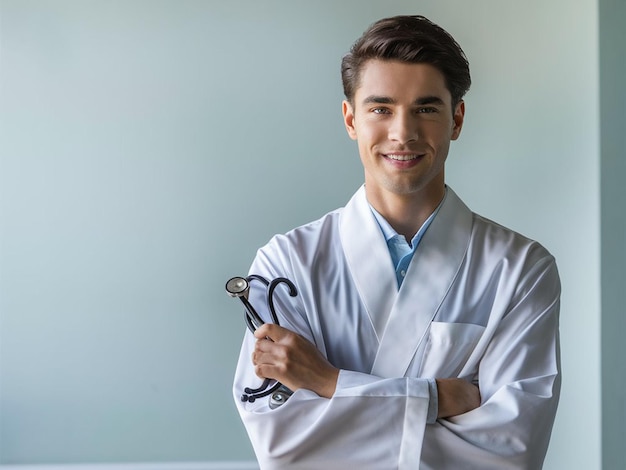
(239, 287)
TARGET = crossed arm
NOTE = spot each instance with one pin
(291, 359)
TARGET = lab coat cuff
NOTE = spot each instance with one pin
(348, 379)
(433, 403)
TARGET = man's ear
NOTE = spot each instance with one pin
(348, 118)
(458, 117)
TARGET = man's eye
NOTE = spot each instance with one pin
(380, 111)
(426, 110)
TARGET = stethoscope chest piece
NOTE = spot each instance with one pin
(237, 286)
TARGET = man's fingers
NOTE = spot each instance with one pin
(267, 352)
(272, 331)
(269, 359)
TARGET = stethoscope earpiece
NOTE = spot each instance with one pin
(250, 395)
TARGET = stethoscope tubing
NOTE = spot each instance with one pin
(252, 318)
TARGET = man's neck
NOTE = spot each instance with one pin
(406, 213)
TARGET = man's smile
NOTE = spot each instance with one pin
(402, 157)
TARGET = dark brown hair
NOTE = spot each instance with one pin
(412, 39)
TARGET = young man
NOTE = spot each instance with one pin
(423, 335)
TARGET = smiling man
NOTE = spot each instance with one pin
(423, 335)
(403, 120)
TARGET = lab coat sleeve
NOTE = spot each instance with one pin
(519, 379)
(369, 423)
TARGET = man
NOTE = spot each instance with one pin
(423, 335)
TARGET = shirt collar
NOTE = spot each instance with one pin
(389, 232)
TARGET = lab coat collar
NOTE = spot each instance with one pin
(368, 259)
(405, 315)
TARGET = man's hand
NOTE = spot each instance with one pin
(287, 357)
(456, 396)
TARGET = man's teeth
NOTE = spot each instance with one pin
(402, 158)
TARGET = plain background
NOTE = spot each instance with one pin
(148, 148)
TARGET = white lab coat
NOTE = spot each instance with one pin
(478, 302)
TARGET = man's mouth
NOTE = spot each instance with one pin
(402, 157)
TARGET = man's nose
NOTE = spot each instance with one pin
(403, 129)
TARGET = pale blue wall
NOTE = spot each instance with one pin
(149, 147)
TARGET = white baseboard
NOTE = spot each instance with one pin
(227, 465)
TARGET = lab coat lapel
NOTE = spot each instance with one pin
(429, 277)
(368, 258)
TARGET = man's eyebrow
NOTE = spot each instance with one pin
(429, 100)
(376, 99)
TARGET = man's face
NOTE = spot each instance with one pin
(403, 123)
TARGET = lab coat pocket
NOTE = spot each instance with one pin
(448, 347)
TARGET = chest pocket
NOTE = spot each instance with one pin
(448, 347)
